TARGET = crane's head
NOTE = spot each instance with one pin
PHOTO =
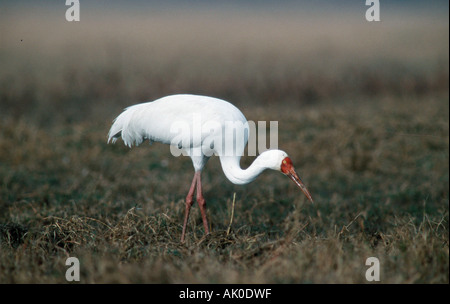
(280, 161)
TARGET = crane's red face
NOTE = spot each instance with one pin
(288, 169)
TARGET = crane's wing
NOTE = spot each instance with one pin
(184, 120)
(144, 121)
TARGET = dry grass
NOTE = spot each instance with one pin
(369, 136)
(380, 186)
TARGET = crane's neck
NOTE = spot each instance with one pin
(236, 175)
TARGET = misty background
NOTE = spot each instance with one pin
(125, 52)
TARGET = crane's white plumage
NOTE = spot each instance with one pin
(155, 121)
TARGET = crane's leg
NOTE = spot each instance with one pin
(202, 204)
(189, 203)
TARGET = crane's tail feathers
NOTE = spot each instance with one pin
(124, 127)
(114, 137)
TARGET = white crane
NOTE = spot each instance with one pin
(159, 120)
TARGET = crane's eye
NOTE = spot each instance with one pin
(284, 162)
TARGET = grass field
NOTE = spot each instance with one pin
(363, 112)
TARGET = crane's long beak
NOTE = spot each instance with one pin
(288, 169)
(293, 175)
